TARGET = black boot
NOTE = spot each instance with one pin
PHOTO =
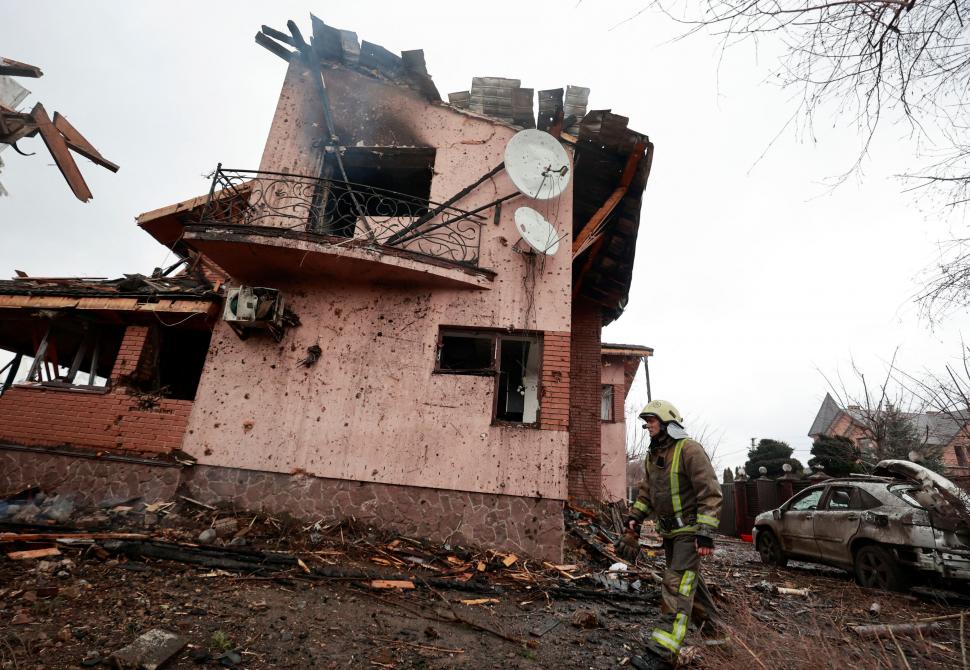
(651, 660)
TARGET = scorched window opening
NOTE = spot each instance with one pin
(384, 182)
(513, 359)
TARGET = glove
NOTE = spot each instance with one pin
(704, 542)
(628, 546)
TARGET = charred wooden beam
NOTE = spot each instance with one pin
(13, 68)
(57, 145)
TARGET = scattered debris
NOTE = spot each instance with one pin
(910, 629)
(149, 651)
(33, 553)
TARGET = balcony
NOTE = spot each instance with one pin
(261, 225)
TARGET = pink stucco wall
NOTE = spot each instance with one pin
(371, 409)
(613, 435)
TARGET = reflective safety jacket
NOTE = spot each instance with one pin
(680, 489)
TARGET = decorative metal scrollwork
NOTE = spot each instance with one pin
(344, 213)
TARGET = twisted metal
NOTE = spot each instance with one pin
(329, 208)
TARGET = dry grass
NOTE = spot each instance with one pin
(818, 636)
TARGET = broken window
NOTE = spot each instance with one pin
(513, 359)
(384, 182)
(466, 353)
(840, 498)
(75, 354)
(606, 402)
(806, 501)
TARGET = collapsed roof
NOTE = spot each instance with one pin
(612, 162)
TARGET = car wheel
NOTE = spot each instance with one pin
(770, 549)
(876, 568)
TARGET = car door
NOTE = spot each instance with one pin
(837, 522)
(798, 523)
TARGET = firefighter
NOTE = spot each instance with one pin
(680, 491)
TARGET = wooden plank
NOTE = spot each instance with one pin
(274, 47)
(57, 146)
(481, 601)
(13, 68)
(44, 537)
(76, 141)
(33, 553)
(391, 584)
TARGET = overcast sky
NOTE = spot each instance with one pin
(751, 274)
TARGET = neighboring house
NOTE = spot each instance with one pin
(938, 429)
(620, 365)
(420, 368)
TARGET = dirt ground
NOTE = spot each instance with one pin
(468, 608)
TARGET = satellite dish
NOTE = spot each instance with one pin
(536, 231)
(537, 164)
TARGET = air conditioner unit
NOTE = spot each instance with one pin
(253, 307)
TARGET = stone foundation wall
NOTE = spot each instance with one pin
(88, 480)
(526, 526)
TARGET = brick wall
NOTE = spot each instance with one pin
(554, 390)
(112, 420)
(585, 456)
(130, 352)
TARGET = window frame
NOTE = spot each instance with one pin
(497, 336)
(610, 418)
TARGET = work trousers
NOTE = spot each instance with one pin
(684, 595)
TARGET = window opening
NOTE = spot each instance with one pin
(606, 402)
(181, 357)
(82, 355)
(468, 353)
(513, 360)
(808, 501)
(518, 398)
(840, 499)
(389, 182)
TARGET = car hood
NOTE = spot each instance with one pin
(947, 503)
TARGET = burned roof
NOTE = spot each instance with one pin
(188, 286)
(611, 161)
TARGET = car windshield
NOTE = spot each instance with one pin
(905, 493)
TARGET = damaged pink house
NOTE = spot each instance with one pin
(356, 328)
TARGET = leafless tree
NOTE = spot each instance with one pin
(886, 413)
(872, 61)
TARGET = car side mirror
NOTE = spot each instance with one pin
(776, 514)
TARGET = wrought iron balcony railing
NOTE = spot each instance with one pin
(344, 213)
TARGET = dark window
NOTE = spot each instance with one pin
(466, 353)
(181, 357)
(512, 359)
(384, 182)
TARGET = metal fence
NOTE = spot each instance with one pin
(344, 212)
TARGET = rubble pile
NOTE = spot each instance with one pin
(183, 584)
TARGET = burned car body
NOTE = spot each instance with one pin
(902, 522)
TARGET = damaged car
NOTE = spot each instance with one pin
(901, 524)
